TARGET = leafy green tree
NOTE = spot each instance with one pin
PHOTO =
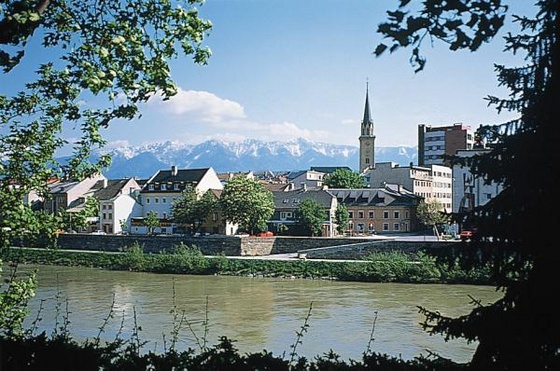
(193, 210)
(15, 294)
(344, 178)
(151, 221)
(341, 218)
(246, 202)
(124, 225)
(519, 331)
(82, 219)
(431, 213)
(311, 216)
(183, 207)
(90, 51)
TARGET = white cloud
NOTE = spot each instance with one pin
(200, 105)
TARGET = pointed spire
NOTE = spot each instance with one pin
(367, 123)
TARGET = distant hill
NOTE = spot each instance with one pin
(248, 155)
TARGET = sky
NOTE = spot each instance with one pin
(282, 70)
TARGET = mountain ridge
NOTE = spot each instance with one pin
(248, 155)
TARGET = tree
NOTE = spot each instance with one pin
(114, 55)
(191, 210)
(124, 226)
(341, 218)
(82, 218)
(310, 215)
(430, 213)
(151, 221)
(246, 202)
(344, 178)
(15, 294)
(519, 331)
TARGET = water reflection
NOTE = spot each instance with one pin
(258, 313)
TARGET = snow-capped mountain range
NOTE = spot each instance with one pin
(248, 155)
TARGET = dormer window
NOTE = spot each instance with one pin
(150, 187)
(163, 187)
(176, 186)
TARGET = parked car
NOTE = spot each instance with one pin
(466, 234)
(98, 232)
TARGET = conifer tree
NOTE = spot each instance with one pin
(515, 230)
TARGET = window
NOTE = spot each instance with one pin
(350, 215)
(385, 215)
(385, 226)
(110, 216)
(371, 215)
(176, 186)
(163, 200)
(104, 207)
(360, 214)
(156, 200)
(214, 217)
(163, 187)
(150, 187)
(396, 214)
(396, 227)
(285, 215)
(147, 200)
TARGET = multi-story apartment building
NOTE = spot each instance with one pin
(286, 204)
(433, 182)
(118, 204)
(159, 192)
(470, 191)
(436, 142)
(390, 208)
(69, 194)
(309, 178)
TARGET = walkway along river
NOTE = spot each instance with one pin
(259, 313)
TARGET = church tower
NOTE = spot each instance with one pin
(367, 139)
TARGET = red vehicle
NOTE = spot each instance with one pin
(466, 234)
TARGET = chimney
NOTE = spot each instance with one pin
(173, 170)
(304, 186)
(105, 182)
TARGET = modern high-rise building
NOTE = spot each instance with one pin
(436, 142)
(367, 139)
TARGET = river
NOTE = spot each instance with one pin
(258, 313)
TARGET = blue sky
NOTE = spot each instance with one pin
(287, 69)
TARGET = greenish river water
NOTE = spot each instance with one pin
(259, 313)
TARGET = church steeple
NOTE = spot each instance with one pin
(367, 122)
(367, 139)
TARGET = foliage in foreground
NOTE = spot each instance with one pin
(521, 330)
(63, 353)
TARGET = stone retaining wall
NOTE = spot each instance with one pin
(318, 247)
(360, 250)
(209, 245)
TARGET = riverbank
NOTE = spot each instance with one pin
(391, 266)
